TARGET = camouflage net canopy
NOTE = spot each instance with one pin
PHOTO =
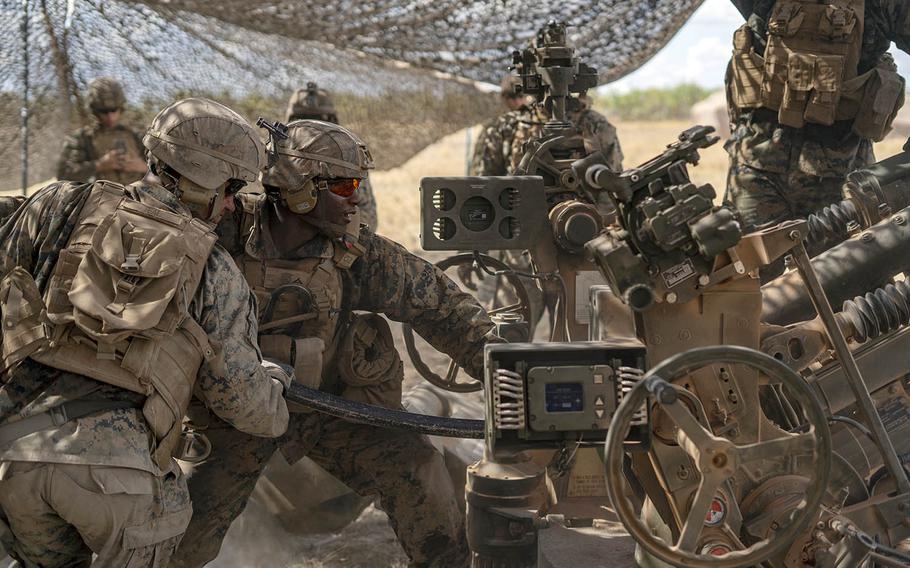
(403, 72)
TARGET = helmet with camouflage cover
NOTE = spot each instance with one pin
(510, 86)
(196, 146)
(311, 103)
(105, 94)
(314, 151)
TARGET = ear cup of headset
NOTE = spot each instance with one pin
(303, 200)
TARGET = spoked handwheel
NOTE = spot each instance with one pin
(717, 458)
(517, 306)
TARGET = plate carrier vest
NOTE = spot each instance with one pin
(116, 308)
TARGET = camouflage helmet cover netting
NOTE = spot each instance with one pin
(311, 102)
(105, 93)
(317, 149)
(402, 73)
(206, 142)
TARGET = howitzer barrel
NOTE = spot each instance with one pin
(889, 171)
(852, 268)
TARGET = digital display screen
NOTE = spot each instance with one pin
(564, 397)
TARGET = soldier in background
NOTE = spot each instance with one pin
(91, 421)
(498, 151)
(810, 87)
(312, 264)
(107, 149)
(314, 103)
(598, 134)
(493, 146)
(500, 145)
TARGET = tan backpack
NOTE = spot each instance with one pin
(117, 305)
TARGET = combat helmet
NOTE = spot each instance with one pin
(311, 103)
(105, 94)
(195, 145)
(314, 151)
(510, 86)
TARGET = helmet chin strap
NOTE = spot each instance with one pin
(189, 193)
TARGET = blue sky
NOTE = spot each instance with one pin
(699, 52)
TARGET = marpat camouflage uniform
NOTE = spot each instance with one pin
(84, 147)
(367, 205)
(500, 145)
(493, 147)
(402, 468)
(780, 172)
(8, 206)
(91, 485)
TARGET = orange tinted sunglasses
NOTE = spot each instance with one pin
(343, 187)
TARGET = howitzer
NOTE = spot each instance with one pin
(733, 466)
(669, 230)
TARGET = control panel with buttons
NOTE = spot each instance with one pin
(561, 391)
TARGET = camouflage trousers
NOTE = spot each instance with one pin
(402, 468)
(60, 514)
(765, 198)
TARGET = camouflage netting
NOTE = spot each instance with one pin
(403, 72)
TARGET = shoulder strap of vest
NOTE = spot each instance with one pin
(346, 252)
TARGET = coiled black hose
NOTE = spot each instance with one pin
(829, 226)
(880, 311)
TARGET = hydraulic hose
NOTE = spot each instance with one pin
(383, 417)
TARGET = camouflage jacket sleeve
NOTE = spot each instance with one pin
(367, 204)
(235, 385)
(8, 206)
(488, 158)
(596, 128)
(894, 17)
(35, 233)
(390, 280)
(76, 161)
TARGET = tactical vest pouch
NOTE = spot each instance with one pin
(882, 98)
(130, 275)
(826, 89)
(746, 85)
(813, 89)
(812, 52)
(23, 317)
(369, 364)
(304, 354)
